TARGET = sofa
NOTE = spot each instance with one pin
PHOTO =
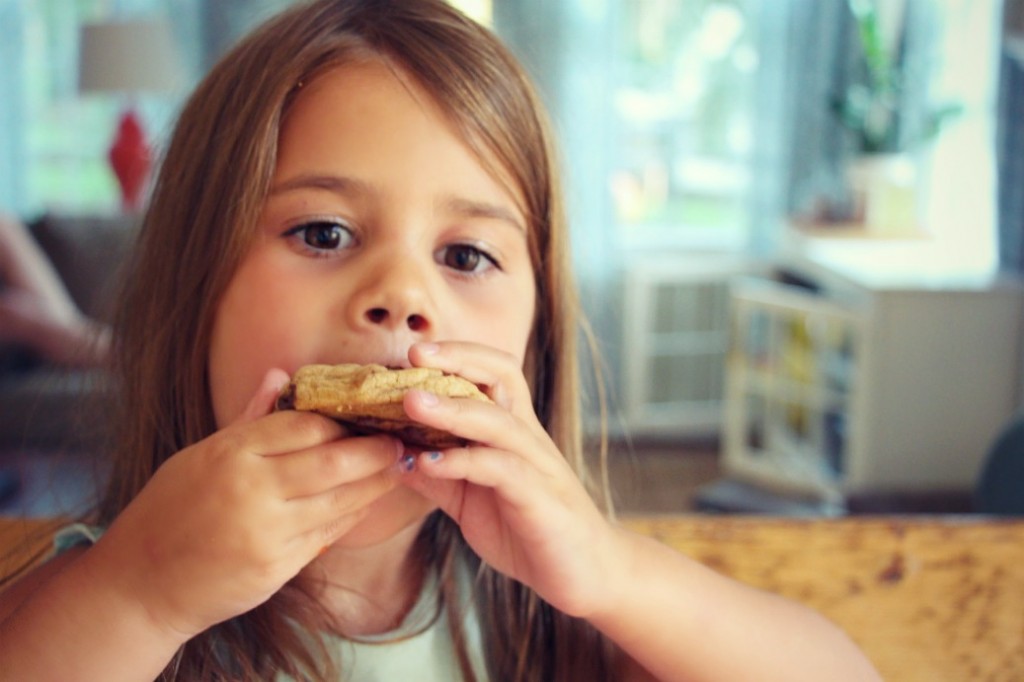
(46, 407)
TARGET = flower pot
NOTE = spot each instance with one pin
(884, 189)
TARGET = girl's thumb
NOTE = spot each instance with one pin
(262, 401)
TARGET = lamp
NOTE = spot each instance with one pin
(128, 57)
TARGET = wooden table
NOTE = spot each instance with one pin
(929, 599)
(24, 542)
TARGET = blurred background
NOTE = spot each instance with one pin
(797, 223)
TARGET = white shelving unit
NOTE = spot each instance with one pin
(839, 385)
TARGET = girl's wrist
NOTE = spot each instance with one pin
(129, 599)
(618, 578)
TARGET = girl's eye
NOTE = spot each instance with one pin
(324, 235)
(466, 258)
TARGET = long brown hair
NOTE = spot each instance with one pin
(210, 191)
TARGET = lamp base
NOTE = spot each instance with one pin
(130, 159)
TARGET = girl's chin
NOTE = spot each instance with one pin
(387, 517)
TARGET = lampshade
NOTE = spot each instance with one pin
(128, 56)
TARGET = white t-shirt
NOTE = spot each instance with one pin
(420, 649)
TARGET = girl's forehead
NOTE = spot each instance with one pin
(362, 76)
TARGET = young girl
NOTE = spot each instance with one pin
(370, 181)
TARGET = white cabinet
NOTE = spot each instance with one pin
(838, 386)
(675, 336)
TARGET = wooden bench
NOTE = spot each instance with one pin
(930, 599)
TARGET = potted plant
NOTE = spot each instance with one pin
(887, 132)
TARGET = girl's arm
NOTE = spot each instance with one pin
(216, 531)
(680, 620)
(68, 620)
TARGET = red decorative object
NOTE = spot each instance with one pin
(130, 158)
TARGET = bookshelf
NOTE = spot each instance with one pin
(839, 386)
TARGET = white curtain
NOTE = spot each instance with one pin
(564, 47)
(13, 157)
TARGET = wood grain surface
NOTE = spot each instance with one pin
(24, 542)
(929, 599)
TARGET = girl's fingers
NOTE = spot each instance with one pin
(459, 481)
(484, 423)
(499, 373)
(262, 402)
(329, 465)
(513, 478)
(281, 433)
(259, 430)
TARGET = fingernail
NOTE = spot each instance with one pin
(428, 399)
(408, 462)
(428, 348)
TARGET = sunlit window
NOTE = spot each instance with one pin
(684, 104)
(66, 133)
(66, 136)
(685, 95)
(479, 10)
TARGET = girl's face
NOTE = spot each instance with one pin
(381, 229)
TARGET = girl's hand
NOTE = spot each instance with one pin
(518, 502)
(225, 523)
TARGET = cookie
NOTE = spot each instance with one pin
(369, 398)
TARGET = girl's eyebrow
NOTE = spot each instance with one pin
(332, 183)
(481, 209)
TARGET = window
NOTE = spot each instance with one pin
(61, 138)
(677, 118)
(683, 103)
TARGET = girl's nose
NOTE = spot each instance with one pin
(383, 316)
(396, 298)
